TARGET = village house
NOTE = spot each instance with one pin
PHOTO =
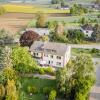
(66, 7)
(40, 31)
(87, 29)
(51, 53)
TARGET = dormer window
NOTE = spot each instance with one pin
(51, 56)
(54, 51)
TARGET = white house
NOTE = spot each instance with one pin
(51, 53)
(40, 31)
(87, 30)
(66, 7)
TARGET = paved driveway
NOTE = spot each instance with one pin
(95, 91)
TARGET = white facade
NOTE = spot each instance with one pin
(52, 59)
(87, 32)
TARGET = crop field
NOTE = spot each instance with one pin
(31, 9)
(13, 22)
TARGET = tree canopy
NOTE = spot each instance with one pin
(5, 57)
(41, 20)
(5, 37)
(78, 10)
(96, 33)
(22, 60)
(28, 37)
(75, 80)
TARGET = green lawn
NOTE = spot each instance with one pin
(76, 51)
(39, 84)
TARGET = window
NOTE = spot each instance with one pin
(45, 55)
(58, 63)
(35, 54)
(50, 62)
(87, 31)
(54, 51)
(58, 57)
(51, 56)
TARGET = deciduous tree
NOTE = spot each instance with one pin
(41, 20)
(28, 37)
(75, 80)
(22, 60)
(2, 92)
(96, 33)
(11, 90)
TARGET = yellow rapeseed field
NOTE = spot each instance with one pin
(31, 9)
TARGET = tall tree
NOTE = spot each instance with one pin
(75, 36)
(59, 28)
(41, 20)
(97, 2)
(11, 90)
(22, 60)
(5, 57)
(28, 37)
(5, 37)
(96, 33)
(8, 73)
(75, 80)
(2, 92)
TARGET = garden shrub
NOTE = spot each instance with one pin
(46, 90)
(94, 50)
(32, 89)
(52, 95)
(41, 71)
(49, 70)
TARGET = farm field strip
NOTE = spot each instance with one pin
(31, 9)
(13, 22)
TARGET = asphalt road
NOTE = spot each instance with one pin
(96, 46)
(95, 91)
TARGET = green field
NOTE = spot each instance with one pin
(38, 83)
(31, 9)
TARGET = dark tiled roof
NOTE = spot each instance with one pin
(50, 47)
(87, 27)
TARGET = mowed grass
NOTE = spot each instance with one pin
(76, 51)
(31, 9)
(39, 84)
